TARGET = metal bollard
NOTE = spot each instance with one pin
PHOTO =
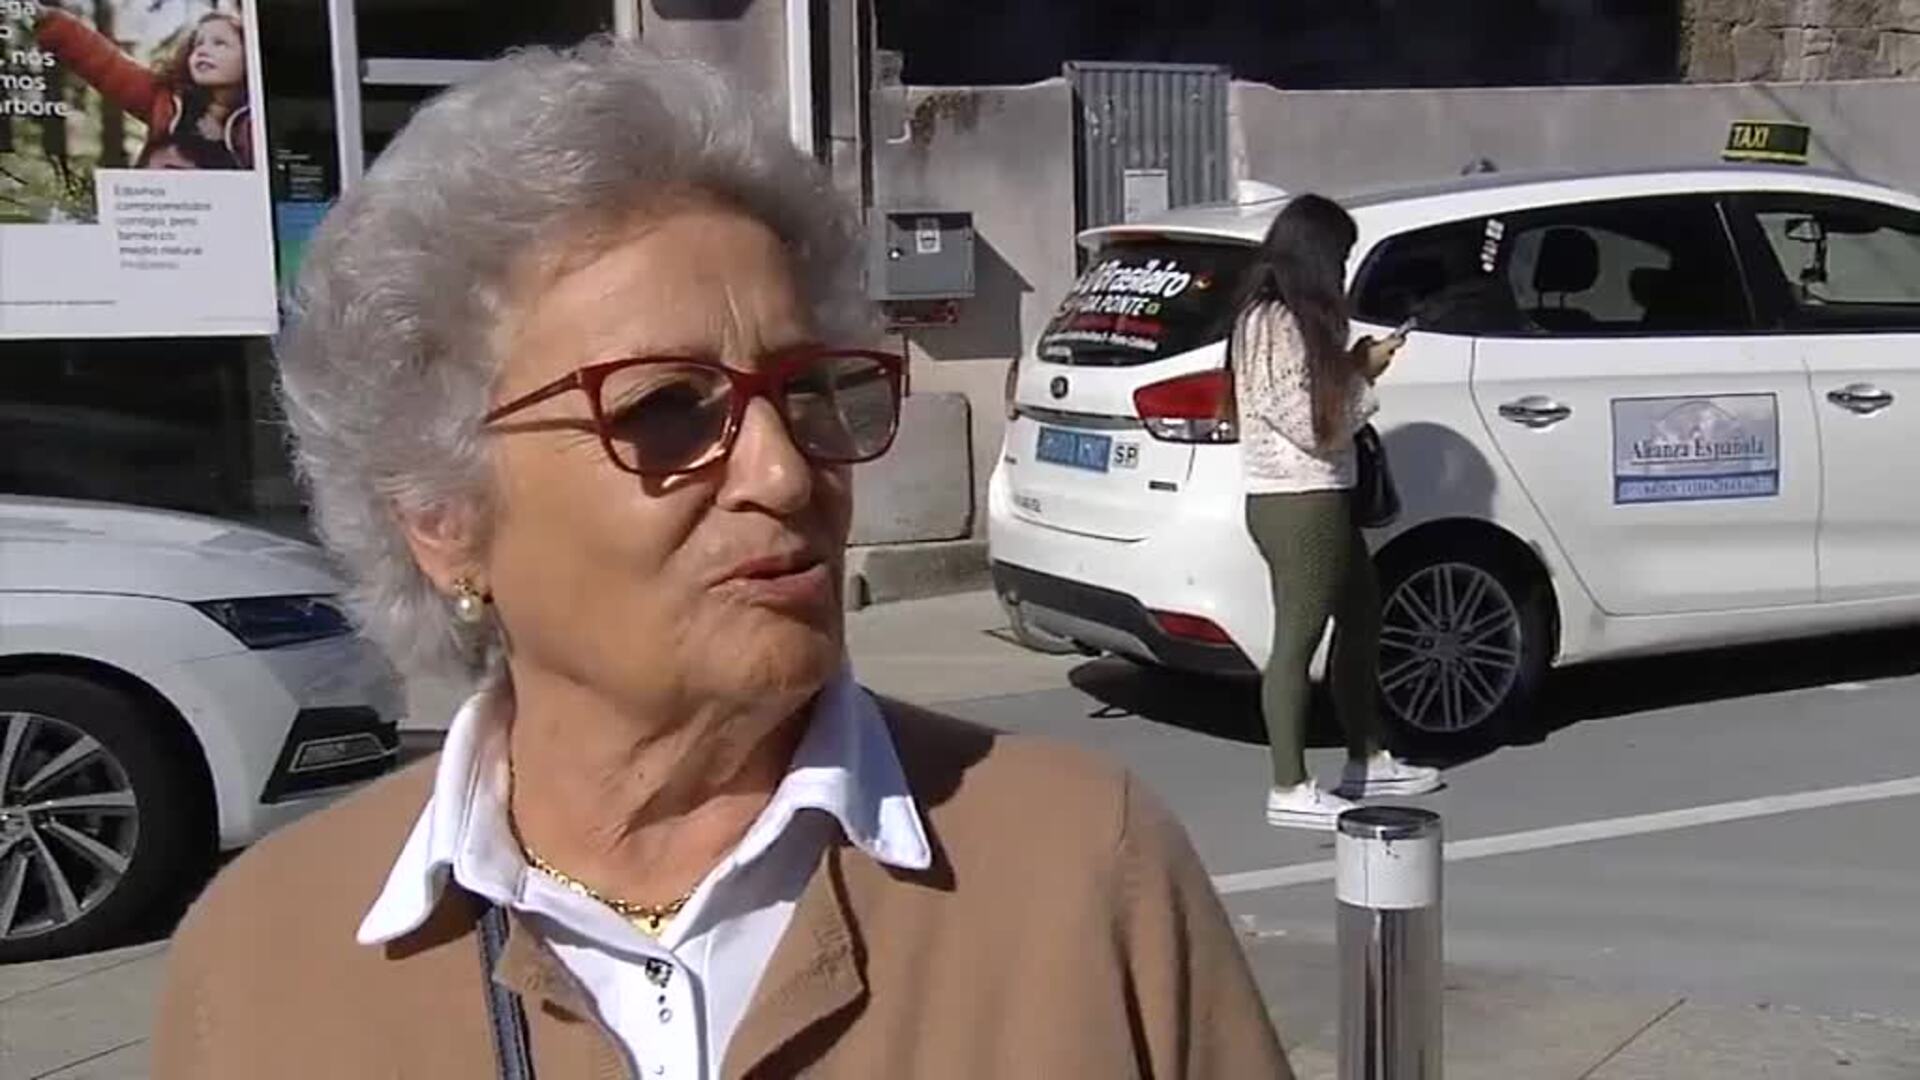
(1387, 879)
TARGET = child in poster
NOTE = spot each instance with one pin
(196, 101)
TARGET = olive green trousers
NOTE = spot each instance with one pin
(1319, 568)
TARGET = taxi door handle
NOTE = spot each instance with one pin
(1863, 398)
(1535, 412)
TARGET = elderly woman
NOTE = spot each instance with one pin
(576, 376)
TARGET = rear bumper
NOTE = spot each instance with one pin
(1110, 621)
(1196, 560)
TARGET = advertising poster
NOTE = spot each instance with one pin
(133, 197)
(1694, 449)
(1143, 301)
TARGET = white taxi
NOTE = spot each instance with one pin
(1641, 413)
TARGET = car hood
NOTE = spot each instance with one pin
(59, 545)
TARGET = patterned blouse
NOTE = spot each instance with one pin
(1277, 440)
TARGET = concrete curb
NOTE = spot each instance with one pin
(885, 573)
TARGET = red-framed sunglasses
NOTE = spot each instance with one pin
(662, 416)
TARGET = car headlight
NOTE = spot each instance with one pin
(269, 622)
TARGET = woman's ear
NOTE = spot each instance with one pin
(445, 541)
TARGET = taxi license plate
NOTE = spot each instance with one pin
(1075, 449)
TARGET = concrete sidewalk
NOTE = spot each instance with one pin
(88, 1017)
(1510, 1026)
(84, 1018)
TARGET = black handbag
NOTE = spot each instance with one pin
(1376, 501)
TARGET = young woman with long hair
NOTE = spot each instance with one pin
(1302, 393)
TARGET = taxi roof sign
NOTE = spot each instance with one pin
(1774, 141)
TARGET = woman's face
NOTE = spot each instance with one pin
(638, 588)
(219, 57)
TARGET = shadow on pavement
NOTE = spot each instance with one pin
(1621, 688)
(1225, 708)
(1230, 708)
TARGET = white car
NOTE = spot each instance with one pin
(1642, 413)
(170, 686)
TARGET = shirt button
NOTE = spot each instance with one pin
(666, 1016)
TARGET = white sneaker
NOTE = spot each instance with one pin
(1305, 806)
(1384, 774)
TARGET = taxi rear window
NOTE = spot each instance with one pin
(1142, 300)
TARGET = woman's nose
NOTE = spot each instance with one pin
(766, 469)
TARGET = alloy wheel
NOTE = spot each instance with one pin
(1450, 648)
(69, 823)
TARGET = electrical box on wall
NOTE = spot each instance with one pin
(920, 255)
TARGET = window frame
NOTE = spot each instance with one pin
(1523, 218)
(1370, 265)
(1775, 307)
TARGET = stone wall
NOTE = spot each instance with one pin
(1005, 153)
(1799, 40)
(1347, 141)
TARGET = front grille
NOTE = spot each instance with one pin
(330, 748)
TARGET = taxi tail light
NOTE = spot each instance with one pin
(1191, 628)
(1196, 408)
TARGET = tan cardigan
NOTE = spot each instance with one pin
(1065, 929)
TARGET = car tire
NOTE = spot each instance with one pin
(1465, 645)
(123, 871)
(1032, 637)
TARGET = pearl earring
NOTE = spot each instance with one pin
(468, 605)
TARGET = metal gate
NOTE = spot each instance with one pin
(1151, 137)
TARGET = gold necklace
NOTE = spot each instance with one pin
(649, 919)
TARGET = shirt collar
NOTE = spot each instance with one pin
(845, 766)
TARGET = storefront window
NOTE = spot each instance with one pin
(156, 422)
(303, 156)
(188, 422)
(185, 423)
(463, 30)
(384, 110)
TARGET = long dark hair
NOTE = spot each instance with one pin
(1302, 265)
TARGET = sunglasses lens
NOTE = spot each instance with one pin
(842, 408)
(663, 419)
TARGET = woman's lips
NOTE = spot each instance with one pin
(799, 587)
(791, 579)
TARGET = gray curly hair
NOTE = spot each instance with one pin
(388, 360)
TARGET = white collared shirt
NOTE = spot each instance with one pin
(711, 956)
